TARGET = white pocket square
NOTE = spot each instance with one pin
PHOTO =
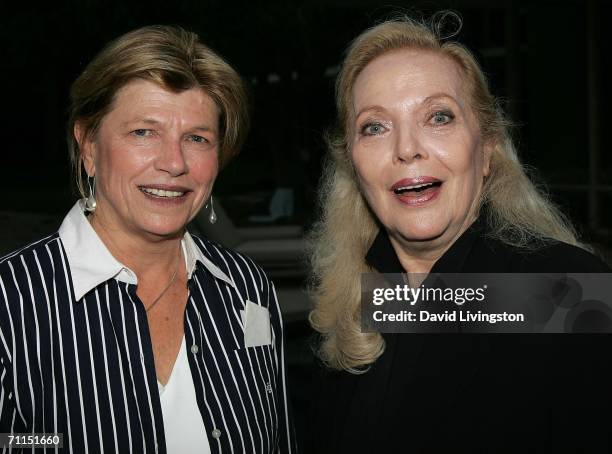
(256, 321)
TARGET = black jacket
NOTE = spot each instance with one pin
(474, 393)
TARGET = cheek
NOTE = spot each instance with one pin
(468, 172)
(120, 159)
(115, 166)
(367, 167)
(370, 182)
(204, 168)
(365, 180)
(463, 159)
(475, 167)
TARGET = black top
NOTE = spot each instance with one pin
(475, 252)
(474, 392)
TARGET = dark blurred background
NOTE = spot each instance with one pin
(546, 61)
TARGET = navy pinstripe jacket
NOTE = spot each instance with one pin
(76, 356)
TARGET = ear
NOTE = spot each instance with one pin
(87, 148)
(487, 151)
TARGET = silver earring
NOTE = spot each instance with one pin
(212, 217)
(90, 201)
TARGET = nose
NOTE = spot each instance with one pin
(408, 146)
(171, 158)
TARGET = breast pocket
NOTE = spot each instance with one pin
(256, 322)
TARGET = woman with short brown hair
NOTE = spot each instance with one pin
(121, 331)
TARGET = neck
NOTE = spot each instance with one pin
(420, 256)
(145, 256)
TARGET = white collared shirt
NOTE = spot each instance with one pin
(183, 425)
(91, 263)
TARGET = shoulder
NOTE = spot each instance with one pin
(21, 273)
(572, 258)
(15, 261)
(548, 256)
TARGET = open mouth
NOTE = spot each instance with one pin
(417, 191)
(416, 188)
(162, 193)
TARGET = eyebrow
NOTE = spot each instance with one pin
(149, 121)
(437, 96)
(374, 108)
(204, 129)
(428, 100)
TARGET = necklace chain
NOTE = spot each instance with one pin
(92, 217)
(163, 291)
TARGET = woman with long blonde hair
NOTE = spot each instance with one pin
(422, 177)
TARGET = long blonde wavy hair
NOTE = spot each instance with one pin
(519, 213)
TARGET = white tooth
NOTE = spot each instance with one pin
(162, 193)
(416, 186)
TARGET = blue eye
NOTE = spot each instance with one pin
(372, 129)
(198, 139)
(141, 132)
(442, 118)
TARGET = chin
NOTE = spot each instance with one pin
(166, 229)
(421, 236)
(422, 232)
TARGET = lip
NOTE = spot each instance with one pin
(417, 199)
(413, 181)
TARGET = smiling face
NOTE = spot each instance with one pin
(154, 158)
(417, 148)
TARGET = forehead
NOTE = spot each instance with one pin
(144, 97)
(410, 74)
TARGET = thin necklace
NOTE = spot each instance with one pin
(171, 279)
(163, 291)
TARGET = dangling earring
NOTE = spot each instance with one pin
(90, 201)
(212, 217)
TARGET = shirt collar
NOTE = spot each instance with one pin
(381, 255)
(91, 263)
(194, 254)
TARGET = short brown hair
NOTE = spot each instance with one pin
(171, 57)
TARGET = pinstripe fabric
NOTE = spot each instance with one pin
(84, 367)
